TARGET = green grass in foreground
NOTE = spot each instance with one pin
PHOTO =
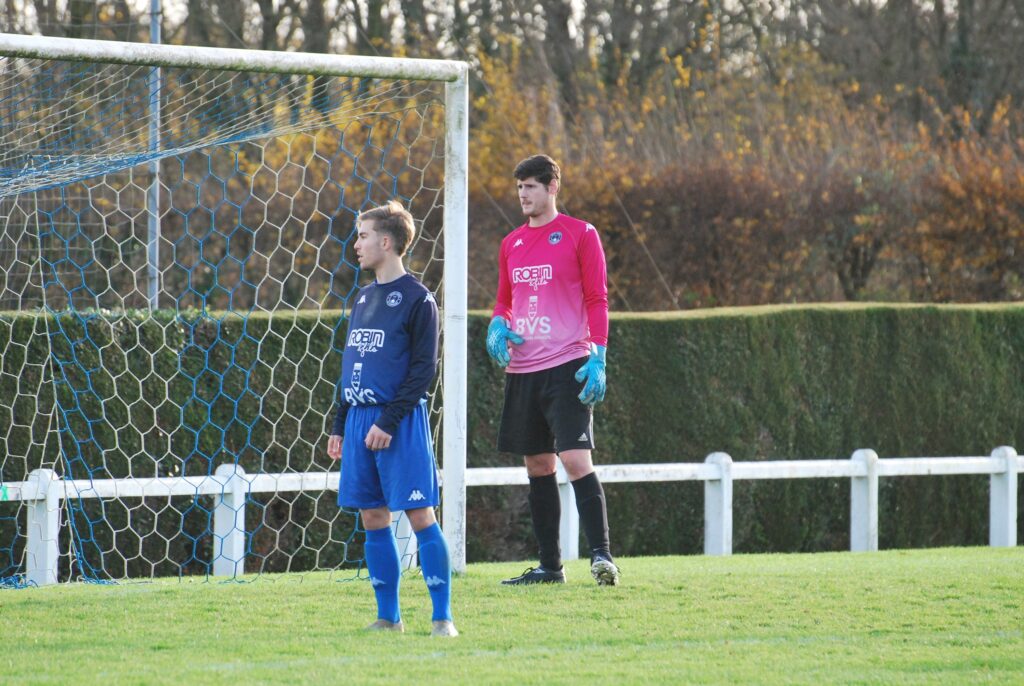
(926, 616)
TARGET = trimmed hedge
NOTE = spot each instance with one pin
(196, 392)
(759, 383)
(782, 383)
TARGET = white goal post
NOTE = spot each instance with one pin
(454, 76)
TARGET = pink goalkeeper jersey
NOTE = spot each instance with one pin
(552, 287)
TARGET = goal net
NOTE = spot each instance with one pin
(176, 267)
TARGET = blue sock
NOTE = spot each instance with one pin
(385, 571)
(437, 569)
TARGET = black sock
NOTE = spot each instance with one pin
(546, 511)
(593, 513)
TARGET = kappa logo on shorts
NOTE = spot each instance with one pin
(416, 495)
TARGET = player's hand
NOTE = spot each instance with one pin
(377, 439)
(498, 338)
(593, 372)
(334, 447)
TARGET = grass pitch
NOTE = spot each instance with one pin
(951, 616)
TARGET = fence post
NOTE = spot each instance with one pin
(229, 522)
(1002, 516)
(718, 507)
(41, 553)
(864, 503)
(569, 525)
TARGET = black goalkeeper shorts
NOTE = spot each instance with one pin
(543, 413)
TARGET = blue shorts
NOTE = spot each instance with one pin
(401, 477)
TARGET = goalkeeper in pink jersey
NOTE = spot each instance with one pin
(549, 332)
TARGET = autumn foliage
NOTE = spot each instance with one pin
(723, 189)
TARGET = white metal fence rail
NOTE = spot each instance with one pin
(230, 485)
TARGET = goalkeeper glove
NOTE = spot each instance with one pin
(593, 372)
(498, 337)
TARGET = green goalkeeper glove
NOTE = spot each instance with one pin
(593, 372)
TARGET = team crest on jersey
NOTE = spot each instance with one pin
(394, 299)
(555, 237)
(366, 340)
(535, 277)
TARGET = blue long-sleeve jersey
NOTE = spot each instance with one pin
(390, 355)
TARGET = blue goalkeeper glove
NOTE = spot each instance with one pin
(593, 372)
(498, 338)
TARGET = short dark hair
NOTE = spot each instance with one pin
(540, 167)
(393, 220)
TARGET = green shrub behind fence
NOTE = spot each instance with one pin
(775, 383)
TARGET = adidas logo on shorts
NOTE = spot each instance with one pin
(416, 495)
(583, 437)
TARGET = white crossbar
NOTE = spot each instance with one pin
(228, 59)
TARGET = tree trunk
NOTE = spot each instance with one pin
(560, 49)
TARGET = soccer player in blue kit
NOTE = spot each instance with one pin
(381, 433)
